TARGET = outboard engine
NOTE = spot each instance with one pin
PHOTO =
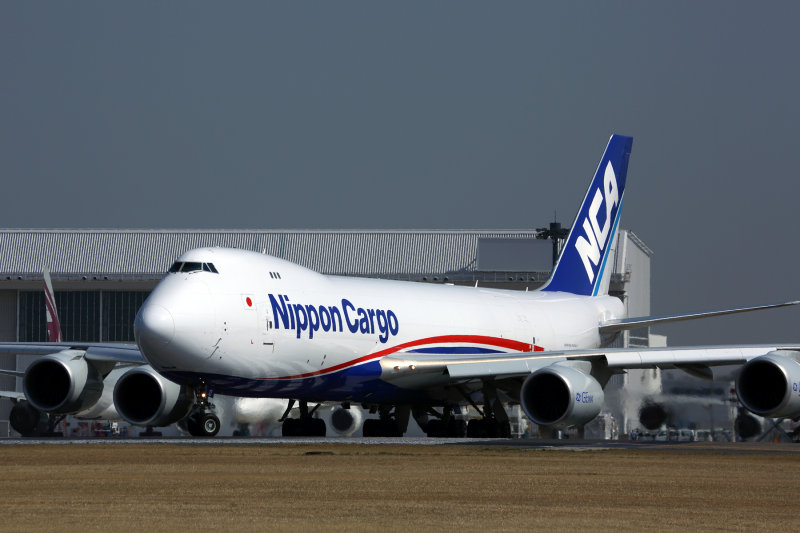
(768, 385)
(653, 415)
(62, 383)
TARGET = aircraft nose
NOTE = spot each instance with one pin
(154, 325)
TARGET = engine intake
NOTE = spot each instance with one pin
(768, 385)
(144, 397)
(561, 395)
(62, 383)
(345, 422)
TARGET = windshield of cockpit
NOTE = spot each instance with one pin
(192, 266)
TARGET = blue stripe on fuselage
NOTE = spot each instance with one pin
(361, 383)
(454, 350)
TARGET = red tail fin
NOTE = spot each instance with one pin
(53, 325)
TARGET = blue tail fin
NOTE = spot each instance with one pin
(583, 259)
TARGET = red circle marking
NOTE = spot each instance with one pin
(249, 302)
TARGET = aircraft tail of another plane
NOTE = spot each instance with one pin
(53, 325)
(582, 265)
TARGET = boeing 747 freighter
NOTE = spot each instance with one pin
(242, 323)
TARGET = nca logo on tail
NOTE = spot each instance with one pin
(590, 246)
(580, 268)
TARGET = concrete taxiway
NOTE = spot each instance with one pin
(531, 444)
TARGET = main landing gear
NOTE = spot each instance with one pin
(28, 421)
(444, 425)
(305, 426)
(202, 420)
(494, 421)
(392, 422)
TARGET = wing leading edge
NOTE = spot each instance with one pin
(97, 352)
(432, 370)
(623, 324)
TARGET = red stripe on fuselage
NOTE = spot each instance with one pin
(472, 339)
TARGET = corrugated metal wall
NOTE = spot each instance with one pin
(8, 332)
(147, 252)
(8, 310)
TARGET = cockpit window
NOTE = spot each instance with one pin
(192, 266)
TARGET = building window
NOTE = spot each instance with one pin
(78, 313)
(119, 312)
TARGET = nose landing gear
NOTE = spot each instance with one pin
(202, 420)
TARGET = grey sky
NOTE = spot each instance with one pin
(420, 115)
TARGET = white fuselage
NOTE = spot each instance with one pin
(260, 319)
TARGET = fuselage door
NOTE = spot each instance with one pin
(265, 326)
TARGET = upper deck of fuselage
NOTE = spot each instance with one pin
(235, 264)
(250, 270)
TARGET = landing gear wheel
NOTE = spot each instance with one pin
(488, 428)
(303, 427)
(209, 424)
(203, 425)
(192, 426)
(26, 420)
(456, 428)
(202, 422)
(375, 427)
(434, 429)
(290, 426)
(450, 429)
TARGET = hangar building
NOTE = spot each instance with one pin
(101, 277)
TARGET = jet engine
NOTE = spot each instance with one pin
(561, 395)
(345, 422)
(768, 385)
(146, 398)
(653, 415)
(62, 383)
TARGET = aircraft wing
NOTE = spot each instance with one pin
(12, 395)
(97, 352)
(622, 324)
(431, 371)
(105, 356)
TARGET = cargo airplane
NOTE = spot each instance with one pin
(242, 323)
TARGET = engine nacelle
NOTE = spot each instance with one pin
(62, 383)
(561, 395)
(345, 422)
(145, 398)
(769, 385)
(653, 415)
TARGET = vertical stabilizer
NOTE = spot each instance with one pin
(53, 325)
(581, 267)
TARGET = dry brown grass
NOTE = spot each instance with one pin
(390, 488)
